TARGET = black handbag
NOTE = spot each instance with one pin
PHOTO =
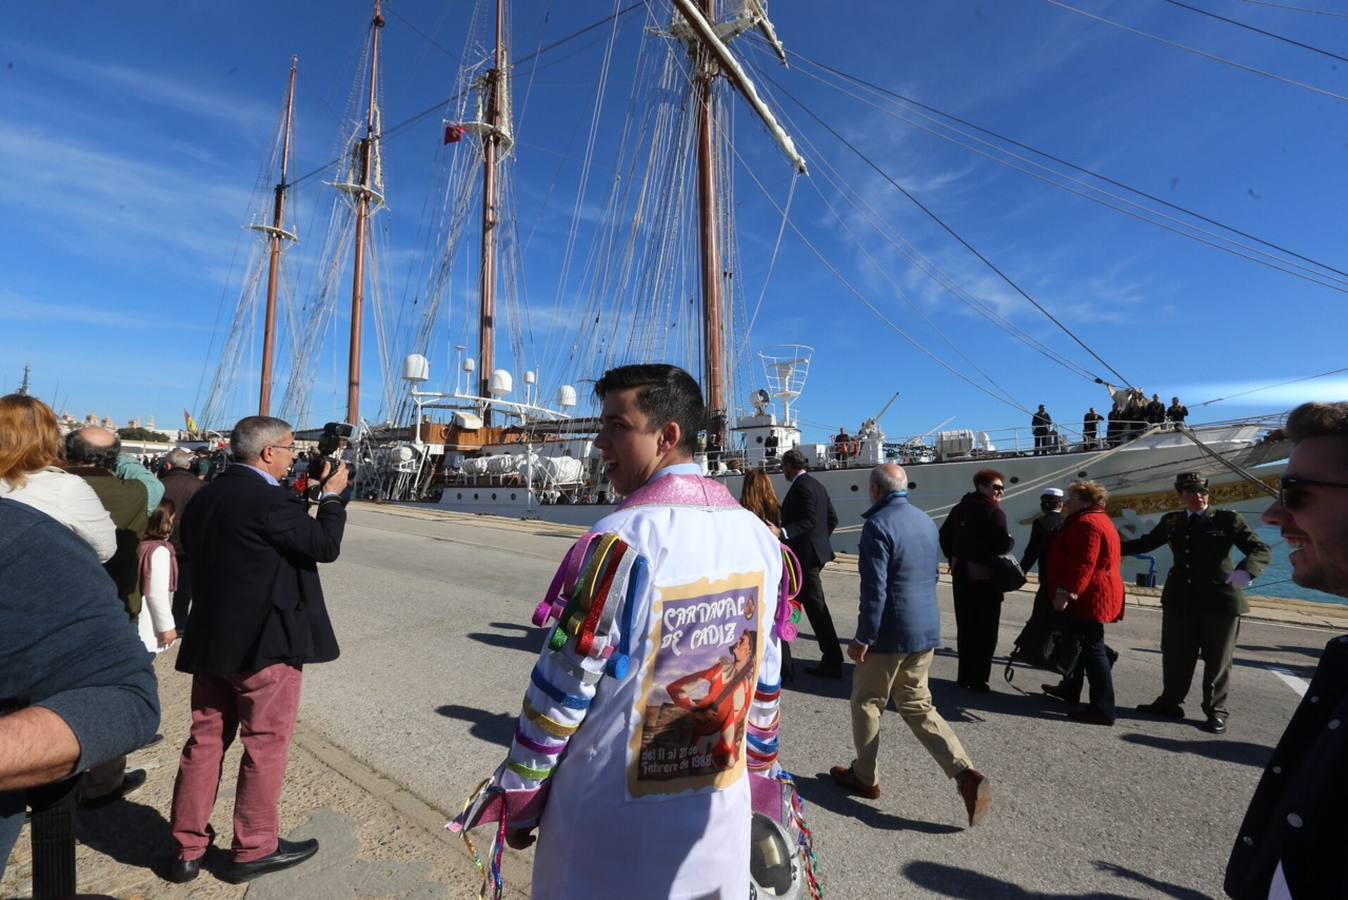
(1007, 573)
(1046, 642)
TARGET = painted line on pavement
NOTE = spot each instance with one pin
(1294, 682)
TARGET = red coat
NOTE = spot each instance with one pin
(1085, 561)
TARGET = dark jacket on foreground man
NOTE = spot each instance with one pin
(256, 596)
(67, 647)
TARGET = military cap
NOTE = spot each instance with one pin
(1052, 492)
(1190, 481)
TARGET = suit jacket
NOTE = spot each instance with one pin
(254, 551)
(180, 486)
(1202, 554)
(808, 519)
(125, 502)
(899, 557)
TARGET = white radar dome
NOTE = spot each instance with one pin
(469, 365)
(566, 396)
(530, 377)
(501, 384)
(416, 368)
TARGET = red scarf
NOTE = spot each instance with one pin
(147, 549)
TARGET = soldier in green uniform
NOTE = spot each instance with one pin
(1203, 598)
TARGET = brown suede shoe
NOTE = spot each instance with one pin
(848, 780)
(974, 788)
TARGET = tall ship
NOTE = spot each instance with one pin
(654, 278)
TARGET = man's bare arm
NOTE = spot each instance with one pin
(36, 747)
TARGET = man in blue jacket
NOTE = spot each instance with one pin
(898, 631)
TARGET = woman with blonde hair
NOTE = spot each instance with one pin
(158, 580)
(30, 448)
(1084, 581)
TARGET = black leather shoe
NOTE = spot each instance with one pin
(825, 671)
(1157, 708)
(1215, 725)
(184, 870)
(131, 781)
(288, 853)
(1090, 716)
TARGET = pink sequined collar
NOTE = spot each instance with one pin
(681, 490)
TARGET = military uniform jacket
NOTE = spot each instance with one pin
(1299, 813)
(1202, 552)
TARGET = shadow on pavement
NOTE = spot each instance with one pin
(1313, 652)
(1242, 752)
(526, 637)
(822, 792)
(952, 881)
(135, 835)
(955, 704)
(494, 728)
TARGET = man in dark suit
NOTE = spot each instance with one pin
(1203, 598)
(807, 521)
(257, 617)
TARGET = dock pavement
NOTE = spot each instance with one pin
(432, 611)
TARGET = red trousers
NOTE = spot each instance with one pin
(261, 708)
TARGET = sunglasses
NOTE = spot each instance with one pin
(1292, 493)
(998, 488)
(1193, 490)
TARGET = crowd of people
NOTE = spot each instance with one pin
(1129, 416)
(661, 675)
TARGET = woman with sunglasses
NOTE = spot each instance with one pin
(972, 537)
(1203, 597)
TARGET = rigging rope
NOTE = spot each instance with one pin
(1304, 9)
(1275, 36)
(1212, 56)
(871, 86)
(1269, 387)
(1090, 192)
(939, 221)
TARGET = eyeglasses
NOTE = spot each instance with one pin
(998, 488)
(1292, 492)
(1193, 489)
(289, 448)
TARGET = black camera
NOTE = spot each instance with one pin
(334, 437)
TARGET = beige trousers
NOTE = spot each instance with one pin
(902, 676)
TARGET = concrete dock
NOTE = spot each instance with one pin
(432, 612)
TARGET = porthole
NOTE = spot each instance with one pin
(1081, 474)
(855, 488)
(1015, 479)
(912, 485)
(759, 439)
(512, 496)
(493, 496)
(460, 496)
(475, 496)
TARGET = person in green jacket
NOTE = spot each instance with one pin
(1203, 598)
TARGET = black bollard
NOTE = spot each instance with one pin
(53, 836)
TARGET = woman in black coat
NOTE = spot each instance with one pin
(973, 535)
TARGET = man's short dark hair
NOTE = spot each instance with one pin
(1311, 420)
(794, 460)
(665, 394)
(79, 452)
(253, 434)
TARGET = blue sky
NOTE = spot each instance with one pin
(133, 141)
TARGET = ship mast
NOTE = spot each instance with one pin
(276, 233)
(713, 332)
(363, 193)
(491, 142)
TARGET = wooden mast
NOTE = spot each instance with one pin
(713, 336)
(491, 141)
(277, 234)
(366, 153)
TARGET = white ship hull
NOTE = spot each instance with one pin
(1139, 477)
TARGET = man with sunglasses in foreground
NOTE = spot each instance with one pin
(1203, 598)
(1291, 842)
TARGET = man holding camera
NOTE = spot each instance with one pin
(257, 617)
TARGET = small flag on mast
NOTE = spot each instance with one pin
(190, 422)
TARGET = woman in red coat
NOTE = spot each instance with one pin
(1084, 580)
